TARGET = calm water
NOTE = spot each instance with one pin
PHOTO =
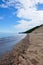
(7, 41)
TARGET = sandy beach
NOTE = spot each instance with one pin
(28, 51)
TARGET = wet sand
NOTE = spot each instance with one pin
(28, 51)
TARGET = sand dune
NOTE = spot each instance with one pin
(28, 51)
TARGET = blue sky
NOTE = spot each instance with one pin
(40, 6)
(20, 15)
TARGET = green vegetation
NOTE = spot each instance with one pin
(29, 31)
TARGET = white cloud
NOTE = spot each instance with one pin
(21, 26)
(3, 6)
(26, 10)
(29, 11)
(41, 1)
(25, 25)
(9, 3)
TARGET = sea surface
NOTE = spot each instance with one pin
(8, 40)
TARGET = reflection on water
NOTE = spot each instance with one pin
(7, 41)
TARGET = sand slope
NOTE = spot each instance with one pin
(28, 51)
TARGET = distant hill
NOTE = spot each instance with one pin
(35, 28)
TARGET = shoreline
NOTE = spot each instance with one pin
(16, 51)
(8, 43)
(29, 51)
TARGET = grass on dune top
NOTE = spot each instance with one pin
(29, 31)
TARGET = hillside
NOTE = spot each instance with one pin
(35, 28)
(29, 51)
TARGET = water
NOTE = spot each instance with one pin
(7, 41)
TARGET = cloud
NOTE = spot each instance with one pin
(25, 25)
(7, 3)
(21, 26)
(3, 6)
(29, 11)
(10, 3)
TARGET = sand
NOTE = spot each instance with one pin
(28, 51)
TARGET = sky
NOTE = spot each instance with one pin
(20, 15)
